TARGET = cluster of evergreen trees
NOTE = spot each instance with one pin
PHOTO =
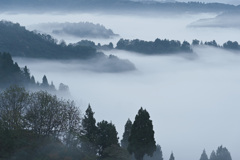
(18, 41)
(38, 125)
(138, 138)
(12, 74)
(31, 121)
(157, 47)
(221, 153)
(169, 46)
(230, 45)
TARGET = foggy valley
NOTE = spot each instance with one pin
(192, 97)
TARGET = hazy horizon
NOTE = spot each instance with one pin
(192, 100)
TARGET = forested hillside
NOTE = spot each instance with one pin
(11, 74)
(18, 41)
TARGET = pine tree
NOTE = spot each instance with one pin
(45, 81)
(141, 140)
(172, 157)
(26, 74)
(107, 136)
(223, 154)
(204, 156)
(213, 156)
(90, 132)
(32, 80)
(126, 134)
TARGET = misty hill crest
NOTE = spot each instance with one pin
(80, 29)
(19, 42)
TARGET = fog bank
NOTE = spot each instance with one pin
(193, 102)
(135, 27)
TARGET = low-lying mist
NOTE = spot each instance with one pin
(134, 27)
(80, 30)
(193, 101)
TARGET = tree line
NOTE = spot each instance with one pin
(12, 74)
(165, 46)
(229, 45)
(157, 47)
(38, 125)
(18, 41)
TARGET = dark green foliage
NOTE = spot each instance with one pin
(90, 130)
(141, 140)
(213, 156)
(157, 47)
(172, 157)
(26, 119)
(25, 145)
(222, 153)
(157, 155)
(106, 136)
(231, 45)
(126, 134)
(20, 42)
(10, 72)
(195, 42)
(88, 43)
(204, 155)
(186, 47)
(211, 43)
(13, 103)
(115, 152)
(44, 82)
(228, 45)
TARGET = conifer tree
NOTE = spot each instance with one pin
(141, 140)
(223, 154)
(107, 136)
(204, 156)
(126, 134)
(157, 155)
(172, 157)
(45, 81)
(213, 156)
(90, 131)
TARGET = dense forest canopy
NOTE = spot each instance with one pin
(165, 46)
(156, 47)
(30, 129)
(12, 74)
(18, 41)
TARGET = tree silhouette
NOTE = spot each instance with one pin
(223, 154)
(172, 157)
(213, 156)
(126, 134)
(107, 136)
(89, 132)
(45, 81)
(204, 156)
(141, 140)
(157, 155)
